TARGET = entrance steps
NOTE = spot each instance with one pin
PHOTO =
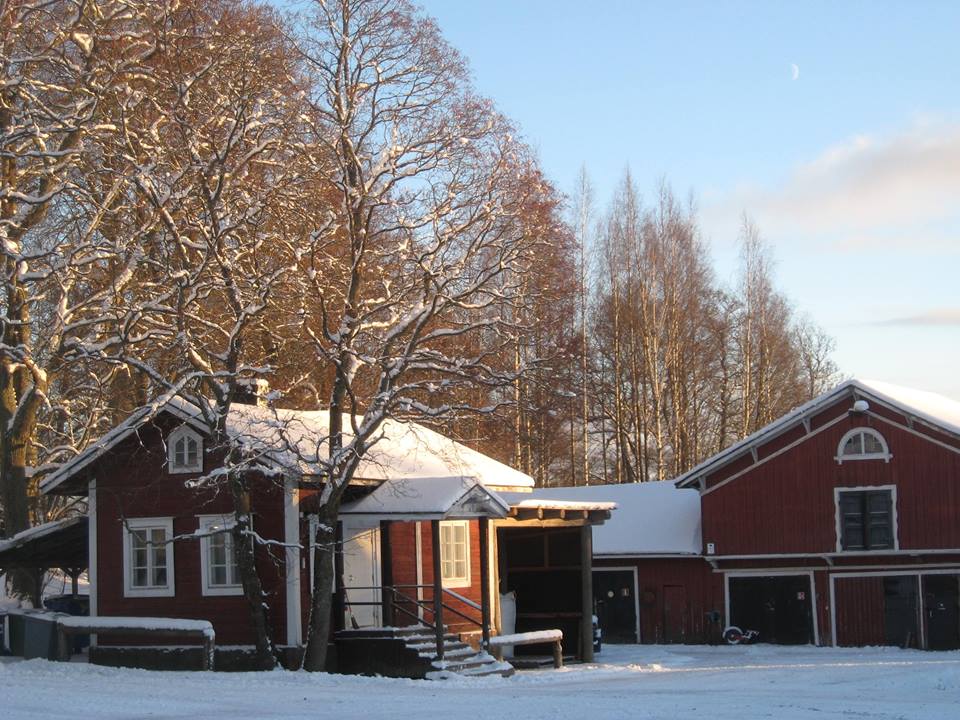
(414, 653)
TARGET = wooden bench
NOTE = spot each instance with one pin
(165, 627)
(537, 637)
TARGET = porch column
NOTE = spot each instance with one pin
(485, 582)
(386, 574)
(586, 587)
(437, 585)
(339, 604)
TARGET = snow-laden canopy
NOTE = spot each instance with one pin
(429, 499)
(651, 518)
(296, 441)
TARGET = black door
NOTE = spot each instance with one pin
(779, 607)
(900, 610)
(941, 599)
(613, 594)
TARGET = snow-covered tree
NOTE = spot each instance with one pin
(64, 67)
(426, 254)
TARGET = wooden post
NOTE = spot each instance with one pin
(586, 583)
(386, 575)
(339, 605)
(63, 644)
(558, 654)
(209, 645)
(74, 582)
(485, 582)
(437, 585)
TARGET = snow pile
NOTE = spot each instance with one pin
(651, 518)
(139, 623)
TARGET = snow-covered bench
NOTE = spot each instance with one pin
(79, 625)
(537, 637)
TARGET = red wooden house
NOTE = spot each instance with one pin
(432, 533)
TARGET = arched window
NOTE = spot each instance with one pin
(184, 451)
(863, 443)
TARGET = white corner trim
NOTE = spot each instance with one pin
(206, 589)
(91, 551)
(291, 537)
(169, 590)
(893, 511)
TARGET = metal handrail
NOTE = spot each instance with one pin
(427, 605)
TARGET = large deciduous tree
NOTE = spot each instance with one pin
(411, 297)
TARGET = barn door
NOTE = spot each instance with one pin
(674, 613)
(942, 604)
(615, 599)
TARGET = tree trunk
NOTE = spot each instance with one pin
(243, 540)
(321, 595)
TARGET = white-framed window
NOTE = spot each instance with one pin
(863, 443)
(184, 451)
(218, 558)
(455, 553)
(866, 518)
(148, 557)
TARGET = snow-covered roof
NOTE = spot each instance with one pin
(651, 518)
(429, 498)
(295, 440)
(544, 499)
(38, 531)
(931, 408)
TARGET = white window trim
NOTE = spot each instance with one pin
(208, 590)
(893, 512)
(885, 455)
(166, 523)
(183, 432)
(458, 581)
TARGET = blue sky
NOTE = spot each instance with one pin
(851, 170)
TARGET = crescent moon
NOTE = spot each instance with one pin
(794, 71)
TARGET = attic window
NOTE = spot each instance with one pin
(184, 451)
(863, 443)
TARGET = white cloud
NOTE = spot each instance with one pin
(941, 317)
(893, 191)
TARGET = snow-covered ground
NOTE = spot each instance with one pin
(718, 683)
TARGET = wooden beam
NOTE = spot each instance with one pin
(485, 582)
(386, 574)
(586, 592)
(437, 586)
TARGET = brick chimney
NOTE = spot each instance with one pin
(252, 391)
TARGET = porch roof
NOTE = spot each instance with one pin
(429, 498)
(541, 505)
(58, 544)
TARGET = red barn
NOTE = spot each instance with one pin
(839, 524)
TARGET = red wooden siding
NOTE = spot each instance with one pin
(860, 611)
(688, 585)
(786, 505)
(132, 482)
(404, 554)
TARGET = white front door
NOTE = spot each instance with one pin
(361, 571)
